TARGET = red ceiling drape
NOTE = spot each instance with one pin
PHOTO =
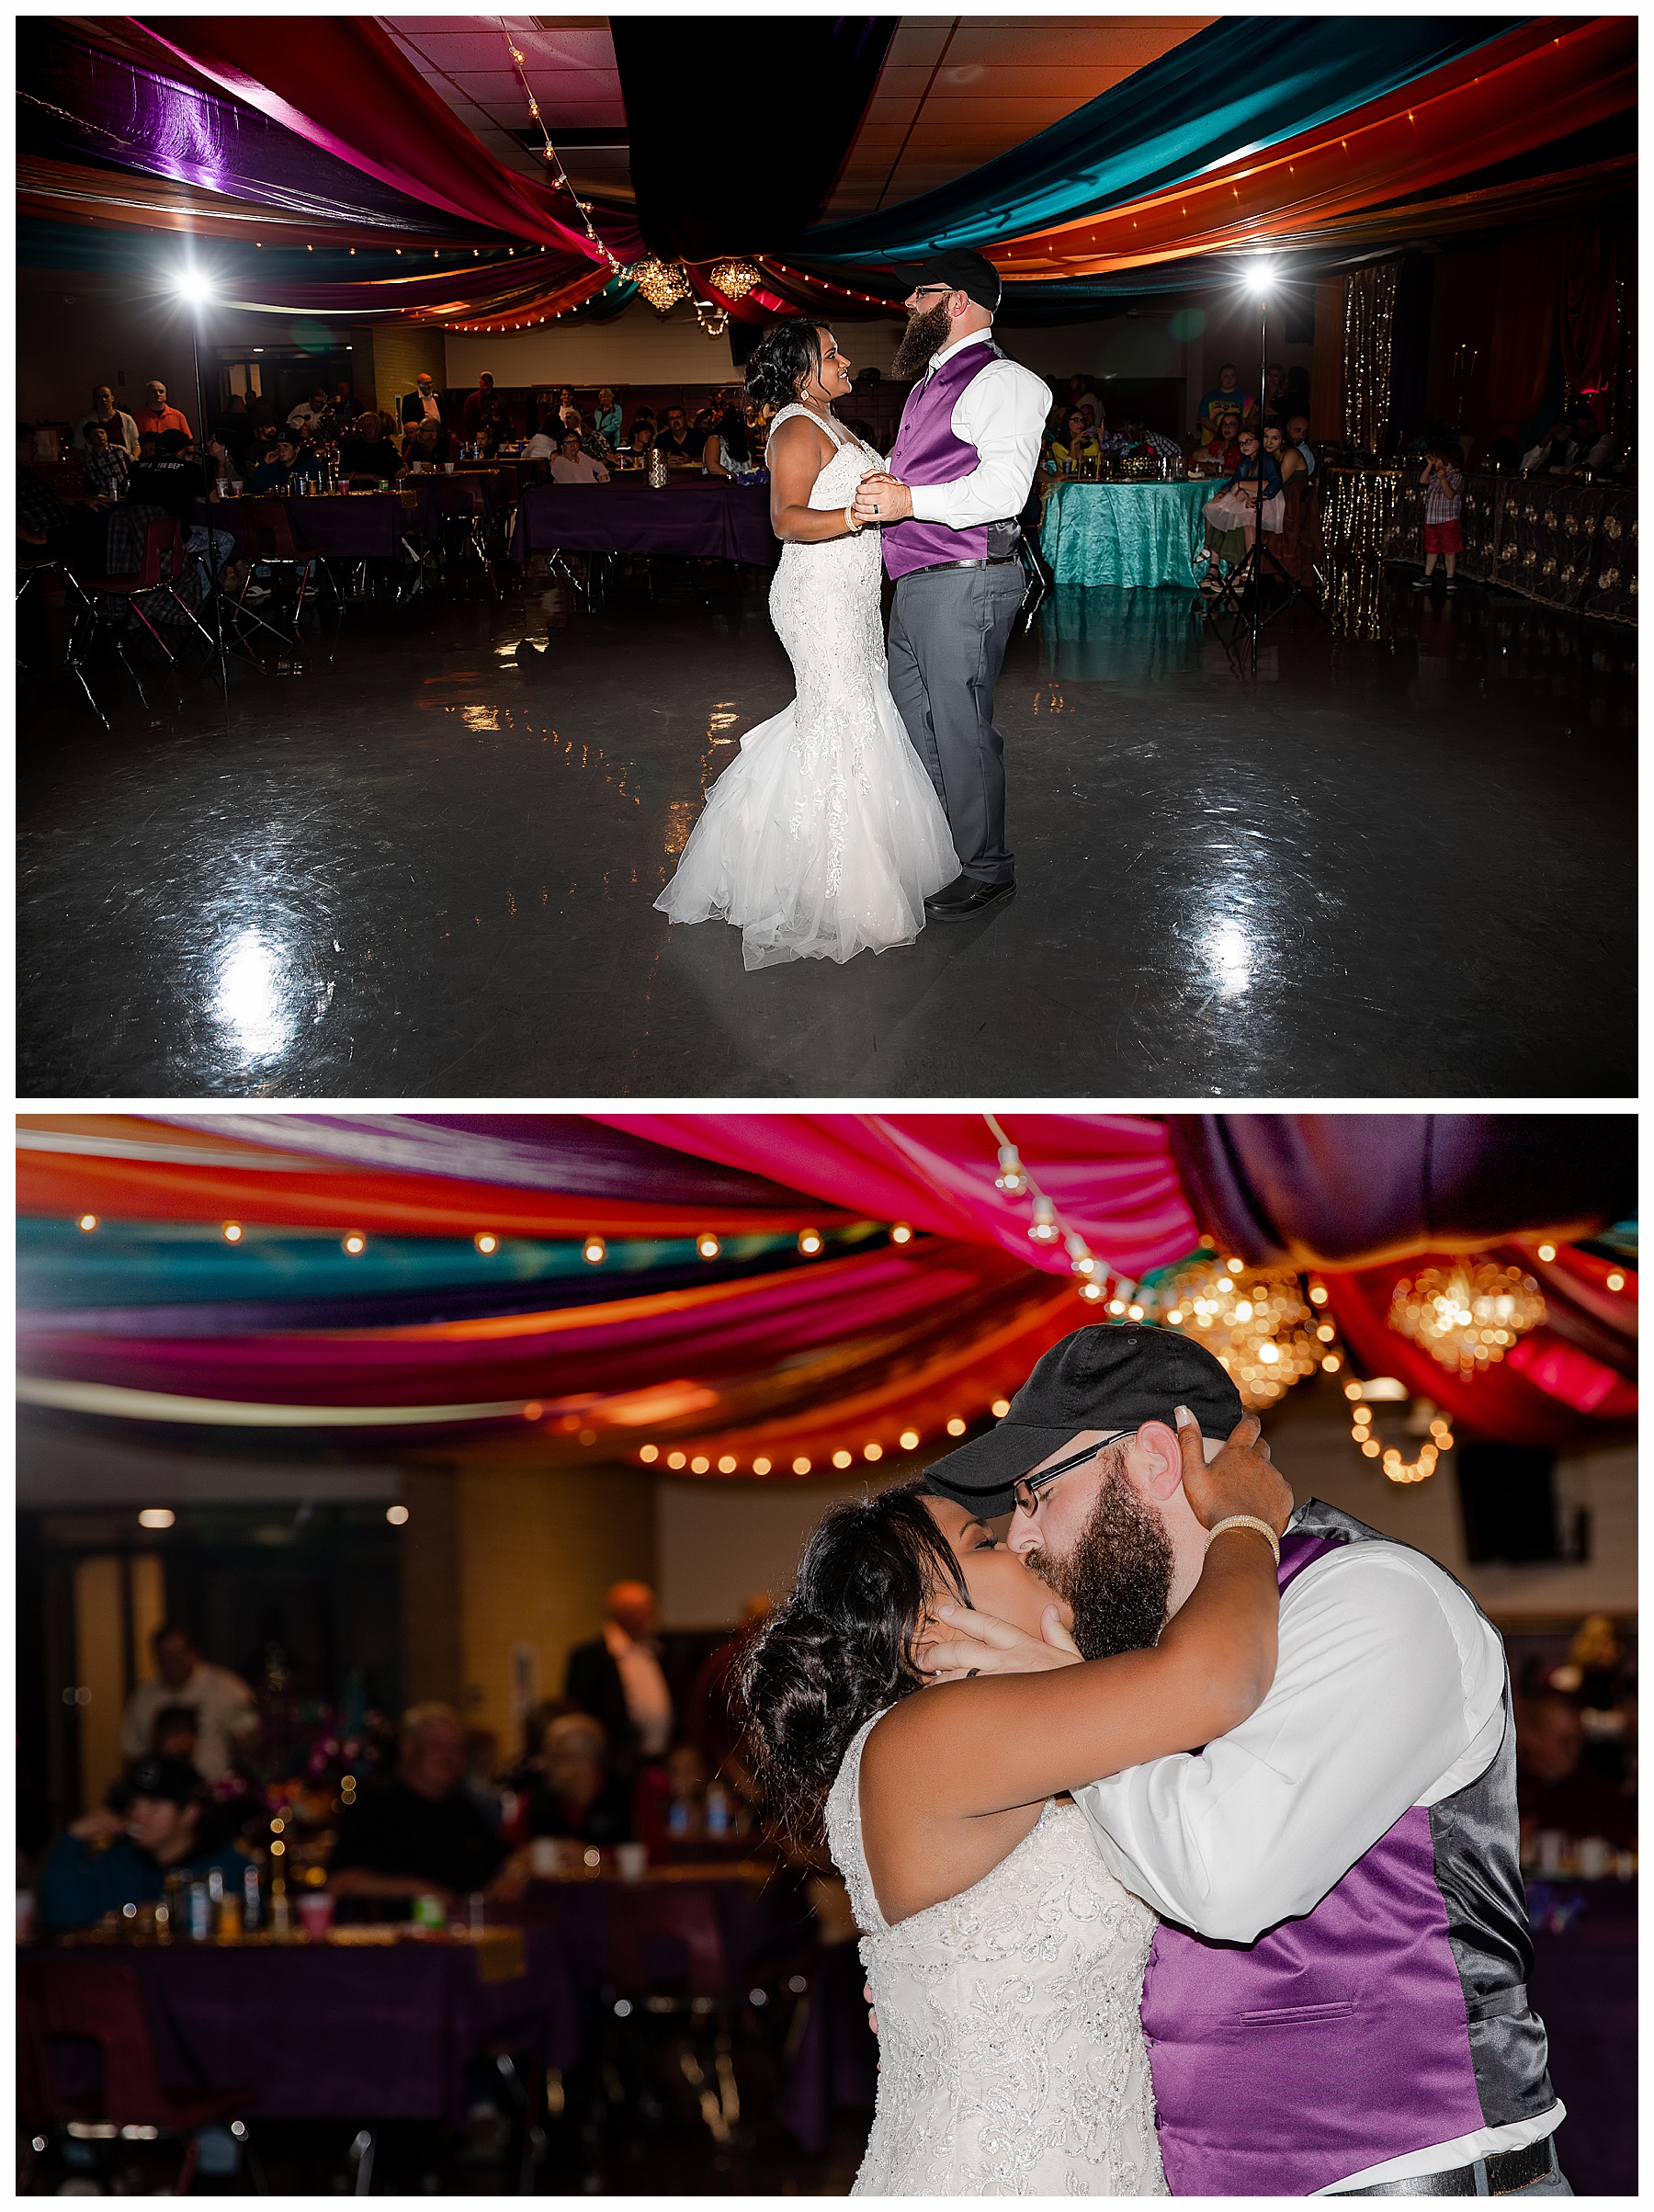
(1525, 320)
(1589, 307)
(341, 82)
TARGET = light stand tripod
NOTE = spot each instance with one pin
(215, 601)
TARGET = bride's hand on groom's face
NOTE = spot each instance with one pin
(963, 1642)
(1240, 1480)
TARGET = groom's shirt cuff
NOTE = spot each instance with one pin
(1389, 1693)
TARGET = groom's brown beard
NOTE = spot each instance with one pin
(926, 334)
(1117, 1575)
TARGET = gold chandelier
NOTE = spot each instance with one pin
(1255, 1320)
(1468, 1315)
(714, 321)
(735, 280)
(661, 283)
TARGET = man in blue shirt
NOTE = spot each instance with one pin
(110, 1859)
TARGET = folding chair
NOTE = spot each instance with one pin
(161, 573)
(267, 538)
(86, 1998)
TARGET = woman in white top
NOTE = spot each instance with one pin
(574, 466)
(1005, 1962)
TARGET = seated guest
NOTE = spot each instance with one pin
(1288, 458)
(153, 415)
(605, 416)
(675, 440)
(727, 452)
(75, 529)
(233, 429)
(1556, 1786)
(113, 1858)
(1073, 441)
(430, 445)
(175, 1733)
(572, 466)
(1135, 437)
(105, 467)
(540, 452)
(564, 409)
(1231, 518)
(1225, 446)
(1274, 390)
(617, 1677)
(642, 439)
(419, 1835)
(367, 451)
(578, 1795)
(643, 418)
(118, 428)
(222, 1702)
(421, 404)
(1297, 437)
(284, 466)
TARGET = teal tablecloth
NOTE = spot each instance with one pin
(1130, 535)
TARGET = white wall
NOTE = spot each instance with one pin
(638, 347)
(717, 1542)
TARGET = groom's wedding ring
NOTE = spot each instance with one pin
(971, 1674)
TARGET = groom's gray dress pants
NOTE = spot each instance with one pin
(950, 628)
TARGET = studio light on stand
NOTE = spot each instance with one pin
(195, 289)
(1261, 279)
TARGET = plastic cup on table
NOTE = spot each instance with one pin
(631, 1861)
(315, 1915)
(429, 1912)
(545, 1858)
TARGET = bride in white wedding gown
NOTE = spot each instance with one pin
(1005, 1962)
(825, 835)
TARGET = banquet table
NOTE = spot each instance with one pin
(689, 514)
(343, 2030)
(1132, 535)
(355, 525)
(761, 1910)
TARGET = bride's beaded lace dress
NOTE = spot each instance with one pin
(824, 836)
(1011, 2060)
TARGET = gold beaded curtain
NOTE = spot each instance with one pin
(1368, 328)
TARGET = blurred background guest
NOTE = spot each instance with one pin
(221, 1703)
(1555, 1788)
(607, 416)
(619, 1679)
(418, 1833)
(122, 1854)
(579, 1795)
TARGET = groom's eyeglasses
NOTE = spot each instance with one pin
(1025, 1492)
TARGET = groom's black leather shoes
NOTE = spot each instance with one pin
(965, 896)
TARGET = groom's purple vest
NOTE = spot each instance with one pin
(927, 452)
(1393, 2016)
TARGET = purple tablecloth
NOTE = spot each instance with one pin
(758, 1925)
(1584, 1988)
(327, 2031)
(356, 526)
(689, 516)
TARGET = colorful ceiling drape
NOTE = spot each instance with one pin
(1329, 136)
(751, 1292)
(341, 82)
(1234, 89)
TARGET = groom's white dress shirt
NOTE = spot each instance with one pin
(1389, 1693)
(1002, 413)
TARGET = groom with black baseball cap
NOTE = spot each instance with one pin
(1336, 2003)
(960, 473)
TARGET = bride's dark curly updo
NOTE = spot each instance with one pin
(840, 1649)
(787, 351)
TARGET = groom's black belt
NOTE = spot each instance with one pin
(993, 561)
(1506, 2171)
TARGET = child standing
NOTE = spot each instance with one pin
(1444, 503)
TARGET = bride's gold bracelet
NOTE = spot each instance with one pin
(1245, 1520)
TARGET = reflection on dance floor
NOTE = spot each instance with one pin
(1394, 860)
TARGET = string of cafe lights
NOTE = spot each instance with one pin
(1098, 1284)
(553, 160)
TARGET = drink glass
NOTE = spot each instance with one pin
(315, 1915)
(545, 1858)
(631, 1861)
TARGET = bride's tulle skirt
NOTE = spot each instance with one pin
(817, 860)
